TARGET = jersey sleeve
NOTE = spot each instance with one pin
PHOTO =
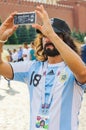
(83, 86)
(21, 70)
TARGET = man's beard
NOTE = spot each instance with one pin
(50, 52)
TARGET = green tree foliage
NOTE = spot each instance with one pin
(32, 34)
(78, 36)
(22, 34)
(13, 39)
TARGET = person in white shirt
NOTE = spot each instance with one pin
(26, 52)
(15, 55)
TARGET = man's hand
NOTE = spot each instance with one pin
(7, 28)
(46, 28)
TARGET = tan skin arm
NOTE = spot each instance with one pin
(68, 55)
(6, 30)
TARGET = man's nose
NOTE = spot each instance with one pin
(46, 39)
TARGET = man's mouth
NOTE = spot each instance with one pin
(49, 47)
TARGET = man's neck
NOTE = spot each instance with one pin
(54, 60)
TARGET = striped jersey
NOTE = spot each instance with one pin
(60, 84)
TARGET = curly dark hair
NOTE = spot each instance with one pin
(41, 56)
(69, 41)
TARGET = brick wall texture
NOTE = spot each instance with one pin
(74, 14)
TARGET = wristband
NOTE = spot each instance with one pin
(1, 41)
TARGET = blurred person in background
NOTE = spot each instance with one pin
(83, 51)
(20, 53)
(26, 52)
(14, 55)
(32, 51)
(10, 53)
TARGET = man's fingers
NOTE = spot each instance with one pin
(39, 14)
(15, 27)
(42, 8)
(39, 8)
(37, 26)
(14, 13)
(10, 18)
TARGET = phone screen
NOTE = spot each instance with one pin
(25, 18)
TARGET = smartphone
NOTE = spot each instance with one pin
(25, 18)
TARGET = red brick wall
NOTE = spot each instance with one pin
(82, 18)
(75, 16)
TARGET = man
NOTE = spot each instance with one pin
(26, 52)
(56, 80)
(32, 51)
(83, 51)
(20, 53)
(15, 55)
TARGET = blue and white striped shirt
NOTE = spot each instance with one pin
(67, 94)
